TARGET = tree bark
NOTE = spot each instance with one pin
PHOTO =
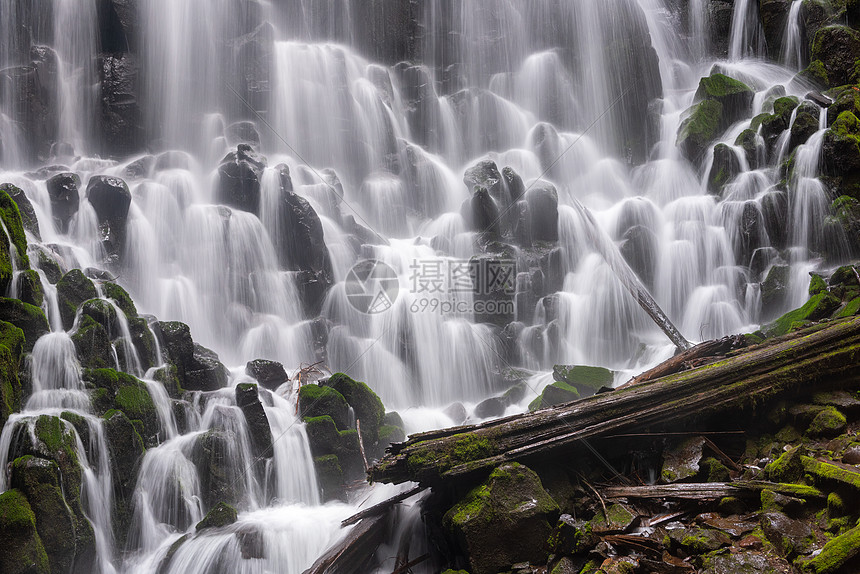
(826, 354)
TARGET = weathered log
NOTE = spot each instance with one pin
(350, 555)
(796, 363)
(383, 506)
(706, 491)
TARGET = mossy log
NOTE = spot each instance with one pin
(709, 491)
(803, 361)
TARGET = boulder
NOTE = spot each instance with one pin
(269, 374)
(840, 155)
(365, 404)
(14, 237)
(72, 290)
(542, 200)
(586, 380)
(486, 174)
(31, 91)
(701, 127)
(329, 476)
(774, 15)
(63, 192)
(126, 449)
(248, 400)
(837, 48)
(111, 199)
(93, 345)
(319, 400)
(505, 521)
(639, 248)
(492, 407)
(30, 319)
(388, 31)
(220, 479)
(239, 177)
(221, 515)
(205, 372)
(25, 208)
(735, 96)
(725, 168)
(774, 290)
(720, 13)
(121, 124)
(11, 352)
(805, 124)
(23, 551)
(119, 22)
(483, 213)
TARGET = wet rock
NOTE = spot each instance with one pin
(25, 208)
(111, 199)
(572, 536)
(817, 308)
(220, 480)
(504, 521)
(681, 460)
(586, 380)
(805, 124)
(483, 213)
(221, 515)
(243, 133)
(752, 233)
(774, 209)
(720, 13)
(30, 288)
(72, 290)
(555, 394)
(365, 404)
(774, 290)
(126, 449)
(492, 407)
(701, 127)
(749, 142)
(790, 537)
(251, 543)
(93, 345)
(618, 518)
(205, 372)
(239, 177)
(23, 551)
(837, 47)
(698, 540)
(486, 174)
(330, 477)
(774, 14)
(119, 24)
(748, 562)
(121, 118)
(11, 351)
(542, 200)
(725, 168)
(63, 192)
(456, 412)
(838, 552)
(31, 90)
(30, 319)
(840, 155)
(735, 97)
(318, 400)
(248, 400)
(270, 374)
(829, 422)
(389, 31)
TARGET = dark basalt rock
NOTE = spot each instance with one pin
(483, 213)
(270, 374)
(639, 249)
(542, 199)
(28, 214)
(388, 31)
(219, 479)
(221, 515)
(121, 118)
(837, 48)
(72, 290)
(111, 199)
(725, 168)
(198, 368)
(119, 23)
(30, 319)
(492, 407)
(774, 14)
(805, 124)
(63, 191)
(239, 178)
(248, 400)
(365, 404)
(126, 450)
(31, 90)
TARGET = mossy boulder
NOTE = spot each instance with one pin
(121, 297)
(324, 439)
(39, 479)
(126, 448)
(840, 155)
(220, 478)
(129, 395)
(103, 313)
(837, 48)
(22, 551)
(198, 368)
(13, 237)
(735, 96)
(270, 374)
(365, 403)
(829, 422)
(749, 143)
(845, 212)
(329, 476)
(248, 400)
(221, 515)
(816, 74)
(698, 540)
(72, 290)
(818, 307)
(805, 124)
(504, 521)
(28, 215)
(556, 393)
(571, 536)
(30, 288)
(701, 127)
(29, 318)
(319, 400)
(838, 552)
(11, 351)
(585, 379)
(47, 262)
(787, 468)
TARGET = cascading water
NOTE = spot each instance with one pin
(577, 104)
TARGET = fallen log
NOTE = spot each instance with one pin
(383, 506)
(795, 363)
(707, 491)
(350, 554)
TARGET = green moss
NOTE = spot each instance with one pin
(72, 290)
(29, 318)
(850, 309)
(586, 380)
(785, 105)
(92, 344)
(720, 86)
(318, 400)
(120, 297)
(836, 553)
(787, 468)
(221, 515)
(22, 550)
(816, 73)
(824, 473)
(329, 476)
(135, 401)
(757, 121)
(365, 403)
(11, 217)
(829, 422)
(701, 127)
(817, 285)
(536, 404)
(818, 307)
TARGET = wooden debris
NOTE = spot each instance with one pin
(707, 491)
(383, 506)
(350, 554)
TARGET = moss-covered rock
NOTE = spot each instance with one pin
(103, 313)
(11, 351)
(22, 551)
(556, 393)
(748, 141)
(816, 74)
(329, 476)
(126, 449)
(30, 288)
(837, 48)
(805, 124)
(827, 423)
(248, 400)
(698, 540)
(25, 208)
(701, 127)
(12, 237)
(365, 403)
(735, 97)
(220, 479)
(787, 468)
(30, 319)
(836, 553)
(318, 400)
(39, 479)
(92, 345)
(221, 515)
(505, 520)
(72, 290)
(818, 307)
(121, 297)
(129, 395)
(586, 380)
(143, 341)
(840, 155)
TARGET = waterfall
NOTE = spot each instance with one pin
(519, 157)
